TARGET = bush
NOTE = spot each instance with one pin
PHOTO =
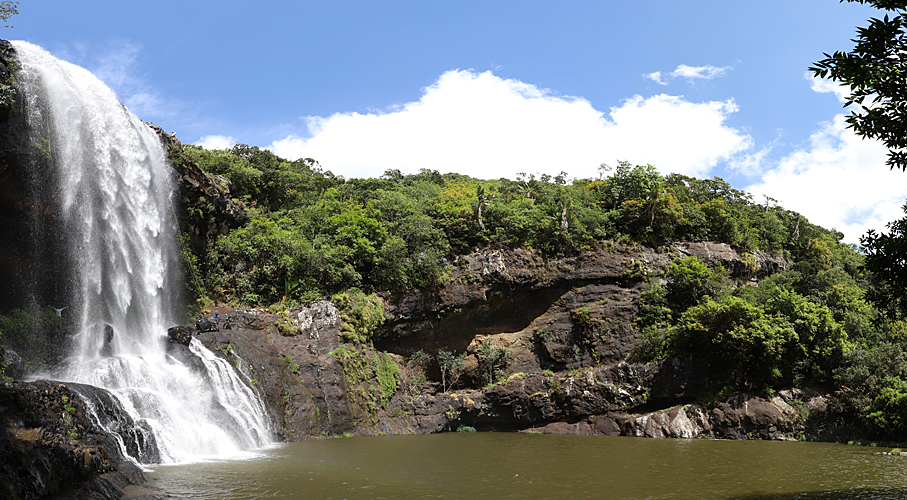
(741, 344)
(362, 314)
(452, 366)
(491, 362)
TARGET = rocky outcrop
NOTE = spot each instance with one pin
(567, 326)
(52, 447)
(740, 416)
(206, 204)
(558, 315)
(317, 398)
(755, 264)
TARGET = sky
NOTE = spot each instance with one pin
(496, 88)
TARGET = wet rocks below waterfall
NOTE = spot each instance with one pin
(51, 447)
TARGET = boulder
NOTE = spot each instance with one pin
(205, 325)
(180, 334)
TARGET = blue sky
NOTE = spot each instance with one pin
(492, 88)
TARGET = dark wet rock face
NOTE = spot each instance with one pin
(209, 196)
(107, 413)
(13, 366)
(50, 447)
(34, 260)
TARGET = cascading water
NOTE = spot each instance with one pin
(114, 190)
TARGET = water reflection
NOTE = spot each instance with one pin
(486, 465)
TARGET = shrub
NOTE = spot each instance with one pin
(491, 362)
(362, 314)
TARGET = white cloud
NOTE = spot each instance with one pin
(116, 65)
(655, 77)
(481, 125)
(822, 85)
(216, 142)
(751, 164)
(839, 181)
(704, 72)
(688, 72)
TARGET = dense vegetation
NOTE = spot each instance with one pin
(314, 234)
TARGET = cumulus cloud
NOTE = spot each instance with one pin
(216, 142)
(822, 85)
(839, 180)
(689, 72)
(488, 127)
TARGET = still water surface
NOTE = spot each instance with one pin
(504, 465)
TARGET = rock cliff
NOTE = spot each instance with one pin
(50, 447)
(567, 326)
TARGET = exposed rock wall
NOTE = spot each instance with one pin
(50, 447)
(567, 324)
(206, 208)
(562, 314)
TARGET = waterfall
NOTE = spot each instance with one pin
(114, 191)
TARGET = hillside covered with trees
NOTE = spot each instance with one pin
(315, 235)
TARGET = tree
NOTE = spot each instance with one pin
(491, 361)
(886, 259)
(742, 345)
(876, 69)
(8, 9)
(452, 366)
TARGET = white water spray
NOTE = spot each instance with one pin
(115, 193)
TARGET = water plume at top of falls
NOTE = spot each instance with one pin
(114, 191)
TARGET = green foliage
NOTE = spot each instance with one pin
(452, 366)
(873, 389)
(690, 280)
(8, 9)
(764, 337)
(491, 362)
(288, 329)
(741, 343)
(7, 96)
(388, 375)
(362, 314)
(820, 340)
(315, 234)
(371, 380)
(875, 70)
(886, 259)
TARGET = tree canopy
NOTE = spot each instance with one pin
(8, 9)
(875, 71)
